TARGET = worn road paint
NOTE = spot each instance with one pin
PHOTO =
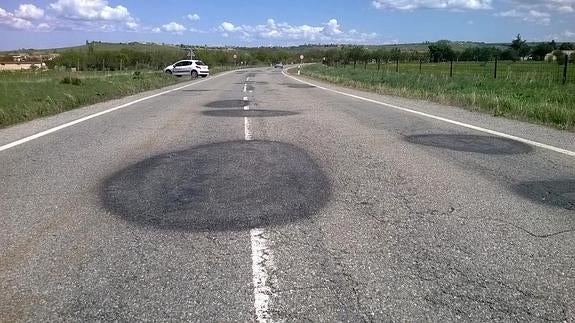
(262, 259)
(248, 128)
(262, 267)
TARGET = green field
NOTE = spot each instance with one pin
(527, 71)
(25, 95)
(530, 96)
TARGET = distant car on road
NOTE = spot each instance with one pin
(279, 65)
(192, 67)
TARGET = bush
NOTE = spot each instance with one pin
(71, 80)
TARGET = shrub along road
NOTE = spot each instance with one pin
(289, 202)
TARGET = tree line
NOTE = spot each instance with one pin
(90, 58)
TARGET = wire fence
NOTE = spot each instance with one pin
(528, 71)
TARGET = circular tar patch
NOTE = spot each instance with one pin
(223, 186)
(254, 113)
(471, 143)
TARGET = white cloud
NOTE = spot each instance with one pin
(228, 27)
(44, 27)
(534, 16)
(432, 4)
(9, 20)
(29, 11)
(174, 27)
(156, 30)
(87, 15)
(119, 13)
(332, 28)
(89, 10)
(193, 17)
(538, 11)
(132, 25)
(330, 31)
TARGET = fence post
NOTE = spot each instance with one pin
(420, 65)
(397, 65)
(495, 70)
(451, 68)
(565, 69)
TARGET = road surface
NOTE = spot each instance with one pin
(251, 196)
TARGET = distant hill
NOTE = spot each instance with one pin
(98, 46)
(137, 46)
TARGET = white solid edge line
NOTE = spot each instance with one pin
(462, 124)
(66, 125)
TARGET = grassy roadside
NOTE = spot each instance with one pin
(26, 95)
(542, 102)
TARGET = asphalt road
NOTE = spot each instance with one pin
(252, 197)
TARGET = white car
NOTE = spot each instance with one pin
(192, 67)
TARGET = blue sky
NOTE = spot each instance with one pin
(59, 23)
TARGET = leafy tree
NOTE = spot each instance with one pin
(367, 55)
(567, 46)
(520, 46)
(395, 54)
(509, 55)
(479, 54)
(355, 54)
(380, 55)
(560, 56)
(441, 51)
(540, 50)
(333, 56)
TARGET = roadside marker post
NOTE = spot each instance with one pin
(300, 63)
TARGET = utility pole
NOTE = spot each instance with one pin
(565, 68)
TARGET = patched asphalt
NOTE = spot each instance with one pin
(471, 143)
(253, 113)
(235, 185)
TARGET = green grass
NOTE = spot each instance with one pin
(25, 95)
(522, 70)
(536, 99)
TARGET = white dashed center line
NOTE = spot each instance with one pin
(262, 257)
(248, 129)
(262, 266)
